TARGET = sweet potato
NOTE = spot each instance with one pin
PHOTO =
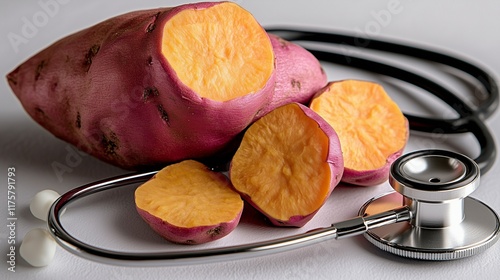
(372, 129)
(189, 204)
(299, 74)
(154, 86)
(288, 163)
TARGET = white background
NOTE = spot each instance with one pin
(466, 28)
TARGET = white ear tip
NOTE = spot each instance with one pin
(40, 205)
(38, 247)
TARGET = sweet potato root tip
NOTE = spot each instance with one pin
(371, 127)
(12, 77)
(214, 59)
(287, 164)
(12, 80)
(187, 203)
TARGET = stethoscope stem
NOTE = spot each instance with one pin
(360, 225)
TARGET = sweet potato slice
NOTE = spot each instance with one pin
(288, 163)
(152, 87)
(189, 204)
(372, 129)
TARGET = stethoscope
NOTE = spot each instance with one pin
(429, 216)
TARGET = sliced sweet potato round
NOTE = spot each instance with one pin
(372, 129)
(188, 203)
(288, 163)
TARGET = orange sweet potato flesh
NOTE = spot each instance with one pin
(188, 203)
(372, 129)
(222, 66)
(288, 163)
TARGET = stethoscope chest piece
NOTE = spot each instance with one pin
(445, 224)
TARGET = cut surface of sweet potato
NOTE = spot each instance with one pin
(283, 164)
(188, 195)
(220, 52)
(370, 125)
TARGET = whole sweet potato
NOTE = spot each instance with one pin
(154, 86)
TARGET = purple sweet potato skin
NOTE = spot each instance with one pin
(299, 74)
(367, 178)
(181, 235)
(109, 91)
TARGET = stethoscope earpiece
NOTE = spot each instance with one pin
(445, 223)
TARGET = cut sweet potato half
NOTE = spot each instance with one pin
(288, 163)
(152, 87)
(188, 203)
(372, 129)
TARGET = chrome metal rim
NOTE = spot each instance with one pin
(478, 231)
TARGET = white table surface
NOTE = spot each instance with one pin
(467, 28)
